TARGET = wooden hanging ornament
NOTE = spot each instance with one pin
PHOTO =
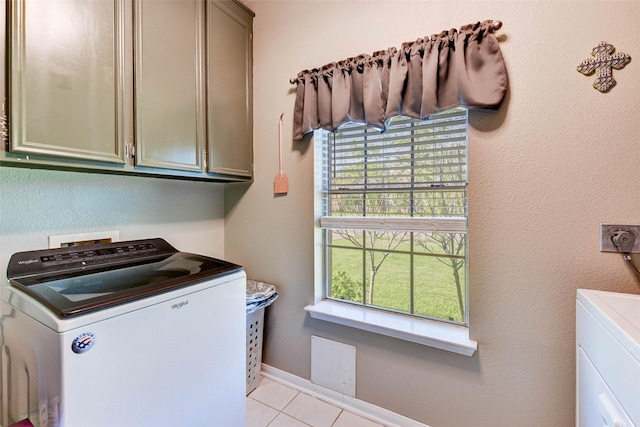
(602, 65)
(281, 182)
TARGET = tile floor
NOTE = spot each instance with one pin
(275, 405)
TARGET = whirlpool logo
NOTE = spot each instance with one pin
(179, 305)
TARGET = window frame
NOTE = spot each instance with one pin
(452, 337)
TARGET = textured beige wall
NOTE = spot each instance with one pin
(555, 161)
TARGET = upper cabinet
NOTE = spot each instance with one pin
(169, 84)
(229, 74)
(66, 85)
(147, 87)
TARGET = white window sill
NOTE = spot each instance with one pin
(422, 331)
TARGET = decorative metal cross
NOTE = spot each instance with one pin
(603, 64)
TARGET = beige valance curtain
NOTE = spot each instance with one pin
(454, 68)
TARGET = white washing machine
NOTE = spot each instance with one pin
(127, 334)
(607, 359)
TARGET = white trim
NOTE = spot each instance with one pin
(440, 335)
(350, 404)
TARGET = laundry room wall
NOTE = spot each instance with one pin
(35, 204)
(556, 160)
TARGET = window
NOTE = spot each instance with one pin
(394, 216)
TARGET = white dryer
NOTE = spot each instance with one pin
(607, 359)
(128, 334)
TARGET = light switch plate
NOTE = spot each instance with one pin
(606, 234)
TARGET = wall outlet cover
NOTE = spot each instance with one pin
(65, 240)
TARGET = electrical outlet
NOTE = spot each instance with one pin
(607, 232)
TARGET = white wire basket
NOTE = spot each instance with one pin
(260, 295)
(255, 323)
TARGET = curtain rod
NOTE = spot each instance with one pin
(495, 24)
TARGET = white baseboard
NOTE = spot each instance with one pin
(351, 404)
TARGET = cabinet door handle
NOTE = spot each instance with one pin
(129, 148)
(204, 159)
(4, 129)
(610, 415)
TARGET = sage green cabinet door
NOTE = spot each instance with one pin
(229, 114)
(169, 86)
(66, 79)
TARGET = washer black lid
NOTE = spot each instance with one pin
(72, 281)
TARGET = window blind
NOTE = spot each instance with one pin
(415, 170)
